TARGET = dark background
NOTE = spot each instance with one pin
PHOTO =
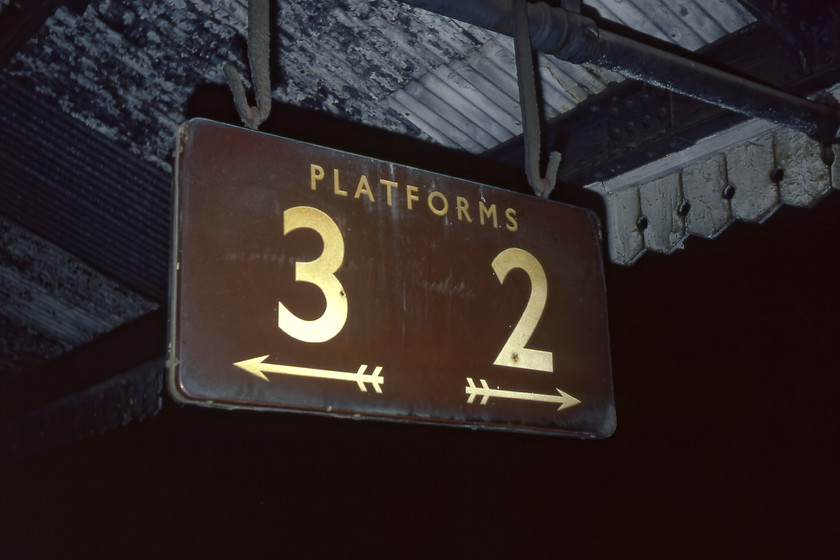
(726, 381)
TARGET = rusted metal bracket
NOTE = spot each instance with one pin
(258, 52)
(542, 185)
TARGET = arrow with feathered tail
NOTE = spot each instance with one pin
(565, 400)
(258, 367)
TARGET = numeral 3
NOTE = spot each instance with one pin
(320, 272)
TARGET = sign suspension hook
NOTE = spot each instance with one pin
(258, 52)
(542, 185)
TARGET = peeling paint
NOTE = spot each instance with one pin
(127, 70)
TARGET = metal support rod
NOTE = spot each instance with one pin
(576, 38)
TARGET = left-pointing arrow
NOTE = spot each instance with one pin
(258, 367)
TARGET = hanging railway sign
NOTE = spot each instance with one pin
(313, 280)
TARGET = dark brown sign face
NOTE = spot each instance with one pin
(313, 280)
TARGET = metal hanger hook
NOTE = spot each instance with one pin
(258, 53)
(542, 185)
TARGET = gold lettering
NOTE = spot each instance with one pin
(463, 207)
(364, 188)
(391, 185)
(337, 188)
(411, 195)
(484, 212)
(316, 172)
(433, 195)
(511, 225)
(321, 273)
(437, 201)
(514, 353)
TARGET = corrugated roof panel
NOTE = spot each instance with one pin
(473, 85)
(488, 94)
(491, 69)
(459, 131)
(448, 90)
(506, 58)
(483, 86)
(688, 23)
(417, 118)
(575, 81)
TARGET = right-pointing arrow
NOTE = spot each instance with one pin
(565, 400)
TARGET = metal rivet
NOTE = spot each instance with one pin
(642, 223)
(684, 209)
(729, 191)
(777, 174)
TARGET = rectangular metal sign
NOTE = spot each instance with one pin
(309, 279)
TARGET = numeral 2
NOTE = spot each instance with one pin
(514, 353)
